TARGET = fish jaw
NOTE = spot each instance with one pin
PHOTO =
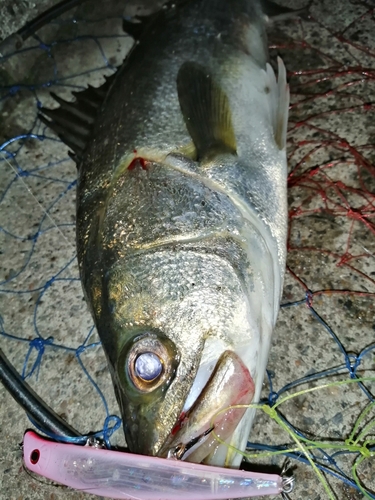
(220, 408)
(216, 412)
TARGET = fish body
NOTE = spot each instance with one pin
(181, 226)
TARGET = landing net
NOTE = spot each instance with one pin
(326, 327)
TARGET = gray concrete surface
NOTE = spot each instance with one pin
(16, 13)
(329, 251)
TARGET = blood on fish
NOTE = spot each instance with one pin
(138, 161)
(180, 423)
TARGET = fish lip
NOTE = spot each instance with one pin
(192, 438)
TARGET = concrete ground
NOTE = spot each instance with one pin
(330, 57)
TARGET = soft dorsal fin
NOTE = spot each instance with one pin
(278, 102)
(206, 111)
(73, 121)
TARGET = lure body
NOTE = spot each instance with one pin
(127, 476)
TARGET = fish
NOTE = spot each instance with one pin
(182, 222)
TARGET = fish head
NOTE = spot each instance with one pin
(178, 340)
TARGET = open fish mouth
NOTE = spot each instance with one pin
(216, 413)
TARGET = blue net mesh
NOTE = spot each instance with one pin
(326, 326)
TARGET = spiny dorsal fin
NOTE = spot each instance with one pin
(73, 121)
(206, 111)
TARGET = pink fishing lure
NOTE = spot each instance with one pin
(120, 475)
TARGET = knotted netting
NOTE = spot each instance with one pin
(326, 328)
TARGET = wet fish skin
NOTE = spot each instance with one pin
(182, 252)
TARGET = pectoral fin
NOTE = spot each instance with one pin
(206, 111)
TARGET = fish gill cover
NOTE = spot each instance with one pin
(326, 327)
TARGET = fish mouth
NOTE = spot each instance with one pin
(216, 413)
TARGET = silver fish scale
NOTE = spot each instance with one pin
(188, 291)
(160, 205)
(257, 186)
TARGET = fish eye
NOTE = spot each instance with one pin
(148, 366)
(148, 361)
